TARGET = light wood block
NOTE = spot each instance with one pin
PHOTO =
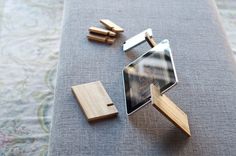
(111, 25)
(102, 31)
(169, 109)
(103, 39)
(94, 101)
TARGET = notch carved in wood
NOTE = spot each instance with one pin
(94, 101)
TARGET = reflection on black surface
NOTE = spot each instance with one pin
(153, 67)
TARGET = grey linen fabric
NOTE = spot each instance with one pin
(205, 68)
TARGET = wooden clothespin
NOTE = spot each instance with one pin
(102, 31)
(103, 39)
(112, 26)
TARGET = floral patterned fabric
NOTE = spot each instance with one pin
(29, 46)
(227, 10)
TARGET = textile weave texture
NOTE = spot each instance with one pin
(205, 68)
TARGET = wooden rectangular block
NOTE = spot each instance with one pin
(169, 109)
(94, 101)
(111, 25)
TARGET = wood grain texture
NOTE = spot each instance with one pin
(102, 39)
(94, 101)
(102, 31)
(111, 25)
(169, 109)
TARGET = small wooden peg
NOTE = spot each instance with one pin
(102, 31)
(112, 26)
(103, 39)
(170, 110)
(150, 40)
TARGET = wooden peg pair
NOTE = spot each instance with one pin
(104, 36)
